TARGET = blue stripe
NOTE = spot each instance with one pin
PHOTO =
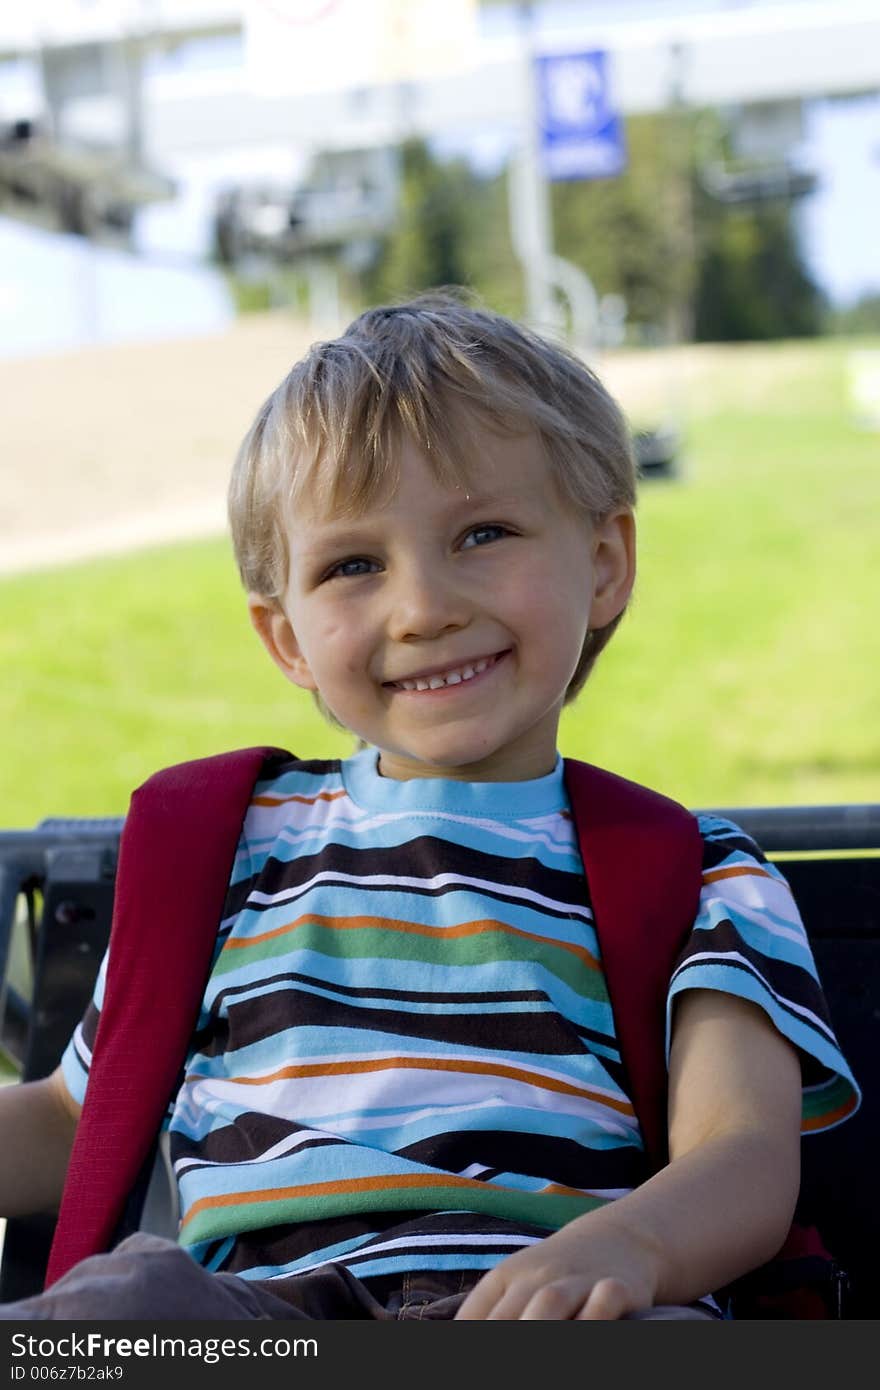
(748, 926)
(804, 1036)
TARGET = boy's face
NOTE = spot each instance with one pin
(432, 581)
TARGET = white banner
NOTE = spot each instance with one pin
(62, 22)
(295, 47)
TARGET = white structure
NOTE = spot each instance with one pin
(768, 50)
(318, 75)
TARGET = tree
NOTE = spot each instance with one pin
(427, 246)
(626, 232)
(686, 264)
(752, 282)
(860, 316)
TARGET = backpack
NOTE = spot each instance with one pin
(172, 883)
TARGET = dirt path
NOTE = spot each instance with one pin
(112, 448)
(115, 447)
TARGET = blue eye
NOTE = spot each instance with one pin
(343, 570)
(486, 531)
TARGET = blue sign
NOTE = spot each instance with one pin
(581, 134)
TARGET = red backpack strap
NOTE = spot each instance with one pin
(175, 860)
(643, 861)
(642, 856)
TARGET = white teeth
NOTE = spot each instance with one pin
(450, 678)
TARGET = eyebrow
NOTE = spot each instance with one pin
(353, 533)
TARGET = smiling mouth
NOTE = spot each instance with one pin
(454, 677)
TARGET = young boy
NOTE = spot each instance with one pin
(404, 1096)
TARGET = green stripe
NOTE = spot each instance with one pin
(488, 947)
(550, 1210)
(826, 1099)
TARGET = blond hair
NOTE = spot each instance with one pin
(434, 369)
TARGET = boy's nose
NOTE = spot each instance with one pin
(425, 605)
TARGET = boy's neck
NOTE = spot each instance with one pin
(395, 769)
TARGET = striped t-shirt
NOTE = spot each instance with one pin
(405, 1057)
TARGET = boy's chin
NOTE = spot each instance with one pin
(431, 763)
(467, 765)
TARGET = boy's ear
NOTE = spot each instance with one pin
(276, 633)
(614, 566)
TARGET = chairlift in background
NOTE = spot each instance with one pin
(750, 160)
(347, 198)
(81, 188)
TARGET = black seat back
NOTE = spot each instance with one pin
(831, 858)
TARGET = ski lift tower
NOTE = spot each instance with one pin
(72, 154)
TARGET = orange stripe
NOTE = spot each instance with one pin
(558, 1189)
(414, 928)
(464, 1065)
(830, 1117)
(315, 1189)
(375, 1184)
(738, 871)
(303, 800)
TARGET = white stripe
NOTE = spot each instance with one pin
(399, 882)
(285, 1146)
(473, 1170)
(468, 1063)
(753, 915)
(412, 1243)
(80, 1048)
(754, 890)
(340, 1103)
(720, 957)
(323, 814)
(295, 834)
(447, 1111)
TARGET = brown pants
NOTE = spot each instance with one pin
(148, 1278)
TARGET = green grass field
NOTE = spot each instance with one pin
(746, 672)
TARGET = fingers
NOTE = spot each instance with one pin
(482, 1299)
(555, 1302)
(609, 1299)
(559, 1301)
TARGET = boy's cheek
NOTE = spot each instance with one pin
(329, 649)
(337, 666)
(333, 635)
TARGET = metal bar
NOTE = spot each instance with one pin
(807, 827)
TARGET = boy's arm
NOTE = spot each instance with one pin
(722, 1206)
(38, 1121)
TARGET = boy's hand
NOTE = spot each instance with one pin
(38, 1122)
(588, 1270)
